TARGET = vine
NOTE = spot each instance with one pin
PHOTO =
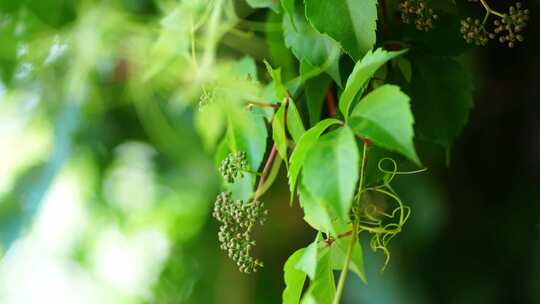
(379, 105)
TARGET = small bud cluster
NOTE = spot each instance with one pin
(511, 25)
(237, 221)
(417, 11)
(508, 27)
(233, 166)
(206, 98)
(474, 32)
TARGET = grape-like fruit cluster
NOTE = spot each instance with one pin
(474, 32)
(237, 220)
(233, 166)
(510, 26)
(419, 13)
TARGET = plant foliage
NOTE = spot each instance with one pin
(338, 95)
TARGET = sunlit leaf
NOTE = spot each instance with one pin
(384, 116)
(339, 252)
(288, 6)
(334, 156)
(307, 262)
(281, 91)
(300, 151)
(294, 122)
(307, 44)
(322, 287)
(361, 74)
(353, 23)
(294, 278)
(319, 216)
(272, 4)
(278, 132)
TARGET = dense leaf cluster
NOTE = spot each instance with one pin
(365, 93)
(341, 95)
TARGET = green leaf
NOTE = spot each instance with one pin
(307, 263)
(404, 66)
(339, 252)
(272, 4)
(245, 68)
(294, 122)
(442, 97)
(314, 88)
(245, 132)
(281, 91)
(334, 157)
(209, 122)
(294, 279)
(361, 74)
(278, 132)
(300, 151)
(350, 22)
(319, 216)
(384, 116)
(280, 55)
(307, 44)
(322, 287)
(288, 7)
(8, 51)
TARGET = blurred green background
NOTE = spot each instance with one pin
(106, 188)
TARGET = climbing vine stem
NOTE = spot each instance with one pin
(354, 233)
(345, 270)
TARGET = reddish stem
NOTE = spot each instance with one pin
(264, 173)
(331, 103)
(329, 241)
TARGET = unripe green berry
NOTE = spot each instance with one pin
(238, 219)
(233, 166)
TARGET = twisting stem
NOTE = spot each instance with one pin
(345, 269)
(264, 173)
(354, 232)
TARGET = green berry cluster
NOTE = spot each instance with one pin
(237, 221)
(473, 31)
(511, 25)
(233, 166)
(419, 12)
(508, 27)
